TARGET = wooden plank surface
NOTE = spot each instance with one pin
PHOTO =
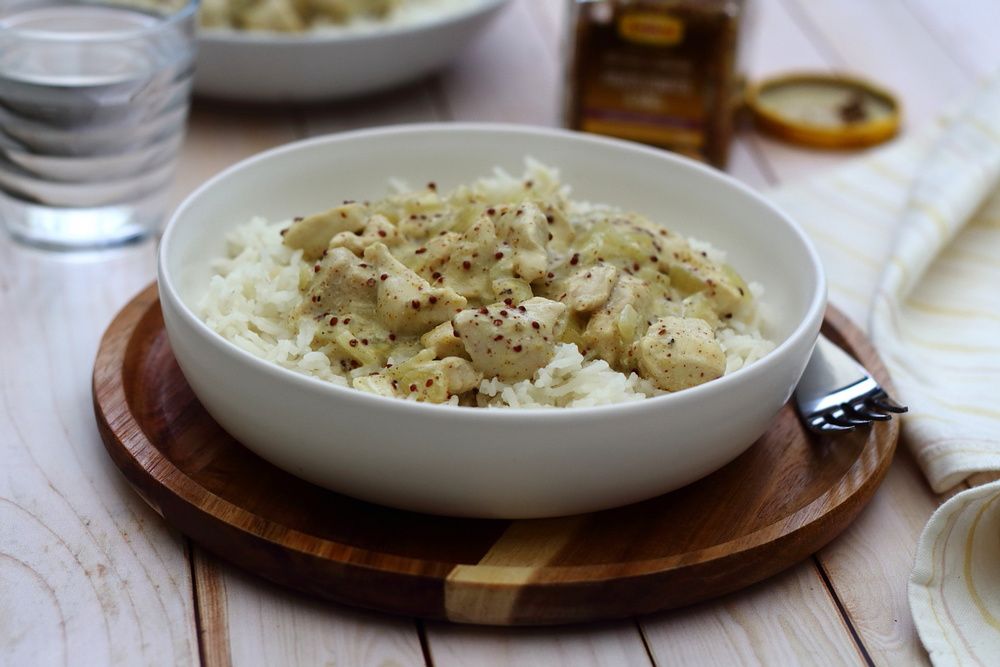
(246, 621)
(89, 575)
(783, 621)
(604, 645)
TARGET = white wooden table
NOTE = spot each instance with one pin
(90, 575)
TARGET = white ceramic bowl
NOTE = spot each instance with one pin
(476, 462)
(318, 65)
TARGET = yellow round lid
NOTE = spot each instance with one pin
(824, 110)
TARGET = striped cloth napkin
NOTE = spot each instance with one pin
(910, 239)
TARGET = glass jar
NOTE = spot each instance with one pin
(662, 72)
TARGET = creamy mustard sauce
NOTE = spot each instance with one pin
(430, 293)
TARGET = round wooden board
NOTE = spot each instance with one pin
(779, 502)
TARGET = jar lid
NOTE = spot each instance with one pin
(824, 110)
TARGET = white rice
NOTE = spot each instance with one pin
(250, 299)
(568, 381)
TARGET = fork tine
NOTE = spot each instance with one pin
(827, 427)
(884, 402)
(863, 410)
(819, 424)
(836, 393)
(841, 418)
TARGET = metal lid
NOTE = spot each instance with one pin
(824, 110)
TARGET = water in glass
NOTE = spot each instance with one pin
(93, 102)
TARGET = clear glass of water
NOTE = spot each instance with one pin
(93, 104)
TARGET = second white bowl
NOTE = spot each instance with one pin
(324, 65)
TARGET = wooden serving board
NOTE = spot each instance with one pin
(779, 502)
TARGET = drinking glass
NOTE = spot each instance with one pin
(93, 104)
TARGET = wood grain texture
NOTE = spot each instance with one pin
(221, 134)
(414, 103)
(603, 645)
(776, 504)
(214, 638)
(782, 621)
(88, 574)
(869, 565)
(958, 30)
(510, 74)
(267, 625)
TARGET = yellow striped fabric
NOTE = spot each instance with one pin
(910, 239)
(955, 585)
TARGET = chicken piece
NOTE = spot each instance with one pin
(559, 227)
(276, 15)
(670, 244)
(589, 288)
(677, 353)
(511, 290)
(525, 229)
(343, 11)
(511, 342)
(376, 383)
(414, 213)
(430, 259)
(433, 380)
(700, 306)
(611, 329)
(341, 299)
(471, 257)
(313, 233)
(214, 14)
(624, 240)
(343, 283)
(406, 302)
(693, 272)
(459, 375)
(376, 230)
(443, 342)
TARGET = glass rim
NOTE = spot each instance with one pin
(164, 21)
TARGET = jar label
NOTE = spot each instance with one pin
(649, 28)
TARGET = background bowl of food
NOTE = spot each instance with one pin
(309, 50)
(488, 343)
